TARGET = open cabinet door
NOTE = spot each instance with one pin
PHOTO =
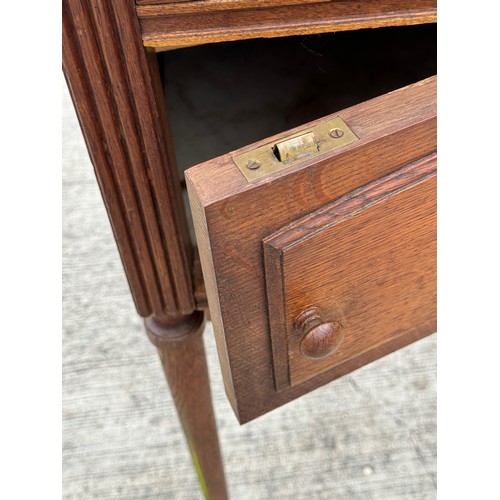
(318, 246)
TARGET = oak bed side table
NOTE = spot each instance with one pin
(338, 266)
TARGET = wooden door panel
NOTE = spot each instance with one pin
(233, 216)
(366, 261)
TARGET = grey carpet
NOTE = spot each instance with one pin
(370, 435)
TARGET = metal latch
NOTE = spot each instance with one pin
(296, 147)
(321, 138)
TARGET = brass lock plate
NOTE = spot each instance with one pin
(274, 156)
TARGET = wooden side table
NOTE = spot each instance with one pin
(281, 346)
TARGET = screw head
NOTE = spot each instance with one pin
(253, 165)
(336, 133)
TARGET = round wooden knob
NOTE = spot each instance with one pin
(319, 339)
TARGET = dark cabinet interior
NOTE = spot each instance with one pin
(223, 96)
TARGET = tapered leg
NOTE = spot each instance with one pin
(117, 94)
(182, 353)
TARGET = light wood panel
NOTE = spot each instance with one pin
(366, 261)
(232, 217)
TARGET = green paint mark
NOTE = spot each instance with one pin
(199, 471)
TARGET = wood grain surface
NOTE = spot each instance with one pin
(178, 25)
(182, 354)
(183, 6)
(370, 434)
(233, 216)
(366, 261)
(116, 90)
(113, 90)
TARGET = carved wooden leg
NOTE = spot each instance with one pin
(182, 353)
(115, 88)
